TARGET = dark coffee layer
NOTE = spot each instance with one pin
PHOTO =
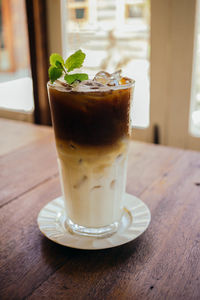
(90, 118)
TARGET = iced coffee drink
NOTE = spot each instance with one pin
(91, 121)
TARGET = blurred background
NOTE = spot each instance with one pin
(156, 42)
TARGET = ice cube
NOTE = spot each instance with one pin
(113, 82)
(63, 84)
(80, 182)
(115, 78)
(112, 184)
(102, 77)
(116, 75)
(124, 80)
(88, 85)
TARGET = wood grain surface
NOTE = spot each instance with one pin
(164, 263)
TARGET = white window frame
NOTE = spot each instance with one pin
(172, 44)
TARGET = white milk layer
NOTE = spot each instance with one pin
(93, 182)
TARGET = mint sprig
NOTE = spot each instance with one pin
(73, 77)
(75, 61)
(56, 59)
(54, 73)
(59, 67)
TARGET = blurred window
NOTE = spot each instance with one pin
(134, 11)
(16, 91)
(77, 10)
(114, 34)
(195, 99)
(80, 13)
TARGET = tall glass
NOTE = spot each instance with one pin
(92, 130)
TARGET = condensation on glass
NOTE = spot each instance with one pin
(195, 95)
(114, 34)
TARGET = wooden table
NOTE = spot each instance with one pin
(164, 263)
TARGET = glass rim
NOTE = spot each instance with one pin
(111, 88)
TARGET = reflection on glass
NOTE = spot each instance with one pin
(195, 99)
(15, 75)
(114, 34)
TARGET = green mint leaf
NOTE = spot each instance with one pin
(54, 73)
(73, 77)
(58, 65)
(56, 60)
(75, 61)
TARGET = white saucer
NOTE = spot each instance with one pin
(135, 220)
